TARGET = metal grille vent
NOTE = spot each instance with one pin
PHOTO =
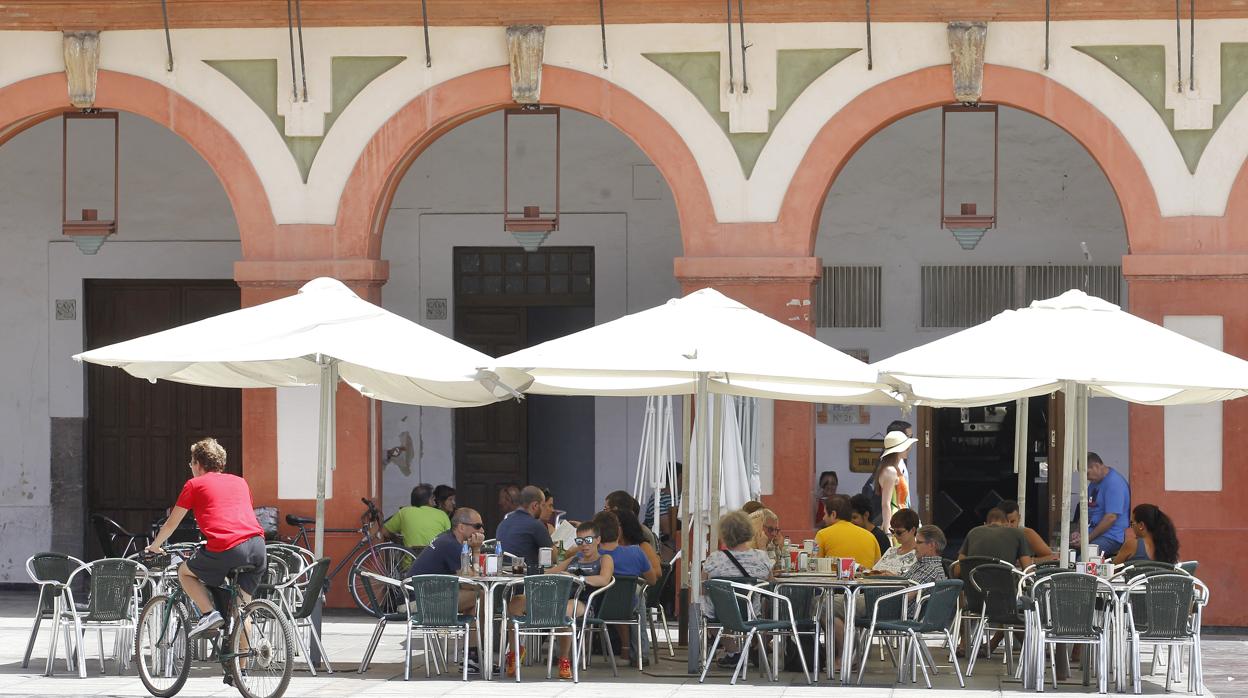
(848, 297)
(961, 296)
(1104, 282)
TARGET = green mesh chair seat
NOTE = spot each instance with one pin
(725, 598)
(435, 600)
(112, 590)
(546, 601)
(616, 604)
(804, 600)
(1168, 601)
(712, 619)
(890, 609)
(997, 585)
(939, 610)
(112, 602)
(1069, 606)
(729, 612)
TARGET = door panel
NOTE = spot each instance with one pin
(138, 432)
(491, 445)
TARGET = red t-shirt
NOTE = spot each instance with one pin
(222, 506)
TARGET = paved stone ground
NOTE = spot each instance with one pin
(1226, 672)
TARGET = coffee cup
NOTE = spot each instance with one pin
(544, 557)
(827, 565)
(809, 546)
(1094, 550)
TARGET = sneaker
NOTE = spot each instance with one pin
(474, 666)
(729, 660)
(565, 668)
(511, 661)
(207, 623)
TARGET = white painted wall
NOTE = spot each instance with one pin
(884, 210)
(175, 223)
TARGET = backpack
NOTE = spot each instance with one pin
(869, 491)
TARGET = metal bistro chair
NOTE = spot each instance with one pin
(726, 598)
(711, 622)
(892, 608)
(50, 571)
(997, 585)
(546, 613)
(434, 610)
(807, 604)
(313, 579)
(1071, 608)
(113, 602)
(654, 607)
(971, 611)
(1173, 604)
(938, 611)
(618, 603)
(388, 587)
(116, 541)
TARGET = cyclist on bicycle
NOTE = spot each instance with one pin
(222, 506)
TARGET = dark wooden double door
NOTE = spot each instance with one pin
(506, 300)
(139, 433)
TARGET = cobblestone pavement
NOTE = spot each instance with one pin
(1226, 672)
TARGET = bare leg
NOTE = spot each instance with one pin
(195, 589)
(576, 609)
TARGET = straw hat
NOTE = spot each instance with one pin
(897, 442)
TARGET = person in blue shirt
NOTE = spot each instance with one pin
(1109, 503)
(630, 560)
(522, 534)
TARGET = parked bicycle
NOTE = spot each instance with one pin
(255, 647)
(385, 559)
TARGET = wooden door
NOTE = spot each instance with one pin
(139, 433)
(923, 483)
(491, 442)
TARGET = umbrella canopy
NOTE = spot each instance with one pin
(1071, 338)
(662, 351)
(1075, 343)
(276, 344)
(312, 338)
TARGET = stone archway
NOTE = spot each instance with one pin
(392, 149)
(33, 100)
(894, 99)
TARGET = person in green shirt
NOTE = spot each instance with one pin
(417, 525)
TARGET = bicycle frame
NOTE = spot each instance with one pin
(219, 649)
(372, 516)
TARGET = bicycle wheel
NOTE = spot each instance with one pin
(263, 643)
(162, 649)
(373, 597)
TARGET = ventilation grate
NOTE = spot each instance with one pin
(848, 297)
(1104, 282)
(962, 296)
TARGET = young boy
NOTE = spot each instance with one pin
(596, 568)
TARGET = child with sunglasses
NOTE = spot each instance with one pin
(596, 568)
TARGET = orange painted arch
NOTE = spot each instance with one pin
(392, 149)
(33, 100)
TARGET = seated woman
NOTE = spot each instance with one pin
(1154, 539)
(632, 534)
(739, 558)
(597, 569)
(1040, 550)
(630, 560)
(767, 538)
(898, 559)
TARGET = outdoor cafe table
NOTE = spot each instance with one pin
(490, 583)
(832, 584)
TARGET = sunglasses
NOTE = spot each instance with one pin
(584, 540)
(897, 531)
(477, 526)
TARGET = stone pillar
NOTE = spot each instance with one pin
(354, 477)
(781, 288)
(1211, 527)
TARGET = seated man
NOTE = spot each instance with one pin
(521, 533)
(997, 538)
(417, 525)
(442, 556)
(861, 504)
(1040, 550)
(842, 538)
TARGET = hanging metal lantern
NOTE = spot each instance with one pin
(88, 230)
(530, 227)
(969, 224)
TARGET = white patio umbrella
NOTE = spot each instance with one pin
(311, 338)
(1075, 343)
(703, 343)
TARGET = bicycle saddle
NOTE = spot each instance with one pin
(294, 520)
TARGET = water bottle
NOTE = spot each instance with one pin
(465, 561)
(498, 549)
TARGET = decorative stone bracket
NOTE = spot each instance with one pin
(525, 46)
(82, 65)
(966, 53)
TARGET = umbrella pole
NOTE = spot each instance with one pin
(1069, 448)
(697, 537)
(717, 471)
(326, 448)
(1081, 414)
(1020, 455)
